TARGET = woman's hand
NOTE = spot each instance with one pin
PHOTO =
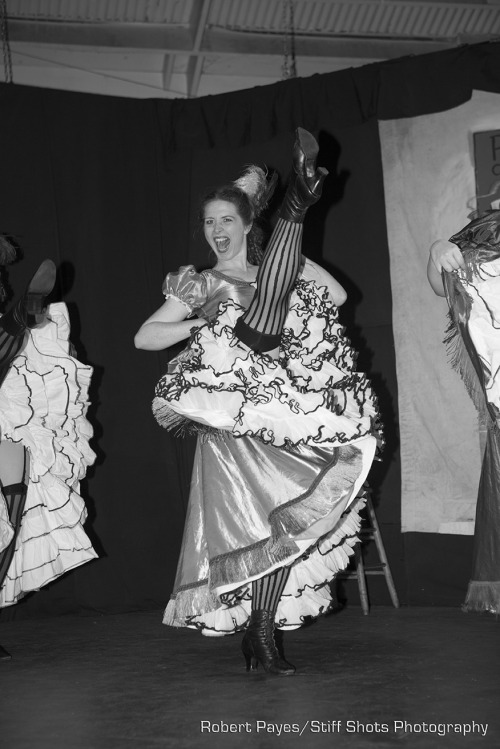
(443, 255)
(446, 256)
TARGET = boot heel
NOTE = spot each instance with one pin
(40, 287)
(248, 653)
(321, 174)
(251, 663)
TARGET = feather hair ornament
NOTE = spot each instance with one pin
(255, 184)
(7, 251)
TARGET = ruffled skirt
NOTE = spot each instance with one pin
(278, 480)
(254, 508)
(43, 406)
(310, 395)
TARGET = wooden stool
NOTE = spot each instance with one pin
(370, 531)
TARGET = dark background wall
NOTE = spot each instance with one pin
(109, 188)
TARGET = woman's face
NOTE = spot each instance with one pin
(224, 229)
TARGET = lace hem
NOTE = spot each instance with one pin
(483, 596)
(307, 594)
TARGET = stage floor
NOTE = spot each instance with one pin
(419, 677)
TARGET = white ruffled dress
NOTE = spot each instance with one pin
(43, 406)
(284, 451)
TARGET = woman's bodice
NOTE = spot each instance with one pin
(203, 292)
(220, 288)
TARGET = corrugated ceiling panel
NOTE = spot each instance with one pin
(368, 18)
(173, 12)
(399, 18)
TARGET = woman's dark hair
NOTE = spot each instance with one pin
(246, 211)
(8, 254)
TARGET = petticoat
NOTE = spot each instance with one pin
(43, 405)
(310, 395)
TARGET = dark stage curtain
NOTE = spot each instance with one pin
(109, 187)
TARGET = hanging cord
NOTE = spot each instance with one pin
(289, 67)
(4, 34)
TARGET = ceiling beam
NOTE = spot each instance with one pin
(195, 64)
(221, 41)
(194, 71)
(198, 22)
(132, 36)
(217, 41)
(168, 69)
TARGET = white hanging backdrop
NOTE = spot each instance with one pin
(429, 189)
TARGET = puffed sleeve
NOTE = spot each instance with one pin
(187, 286)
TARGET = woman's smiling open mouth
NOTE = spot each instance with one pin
(222, 243)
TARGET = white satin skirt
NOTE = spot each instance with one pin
(254, 508)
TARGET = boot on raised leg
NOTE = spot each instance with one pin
(22, 314)
(306, 181)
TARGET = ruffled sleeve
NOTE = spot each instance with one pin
(187, 286)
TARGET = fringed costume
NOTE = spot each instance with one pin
(473, 296)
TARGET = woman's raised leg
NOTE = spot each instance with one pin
(22, 314)
(261, 325)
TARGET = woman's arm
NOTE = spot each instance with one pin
(323, 278)
(443, 255)
(435, 279)
(167, 326)
(337, 291)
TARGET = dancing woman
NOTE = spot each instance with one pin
(44, 441)
(288, 425)
(466, 269)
